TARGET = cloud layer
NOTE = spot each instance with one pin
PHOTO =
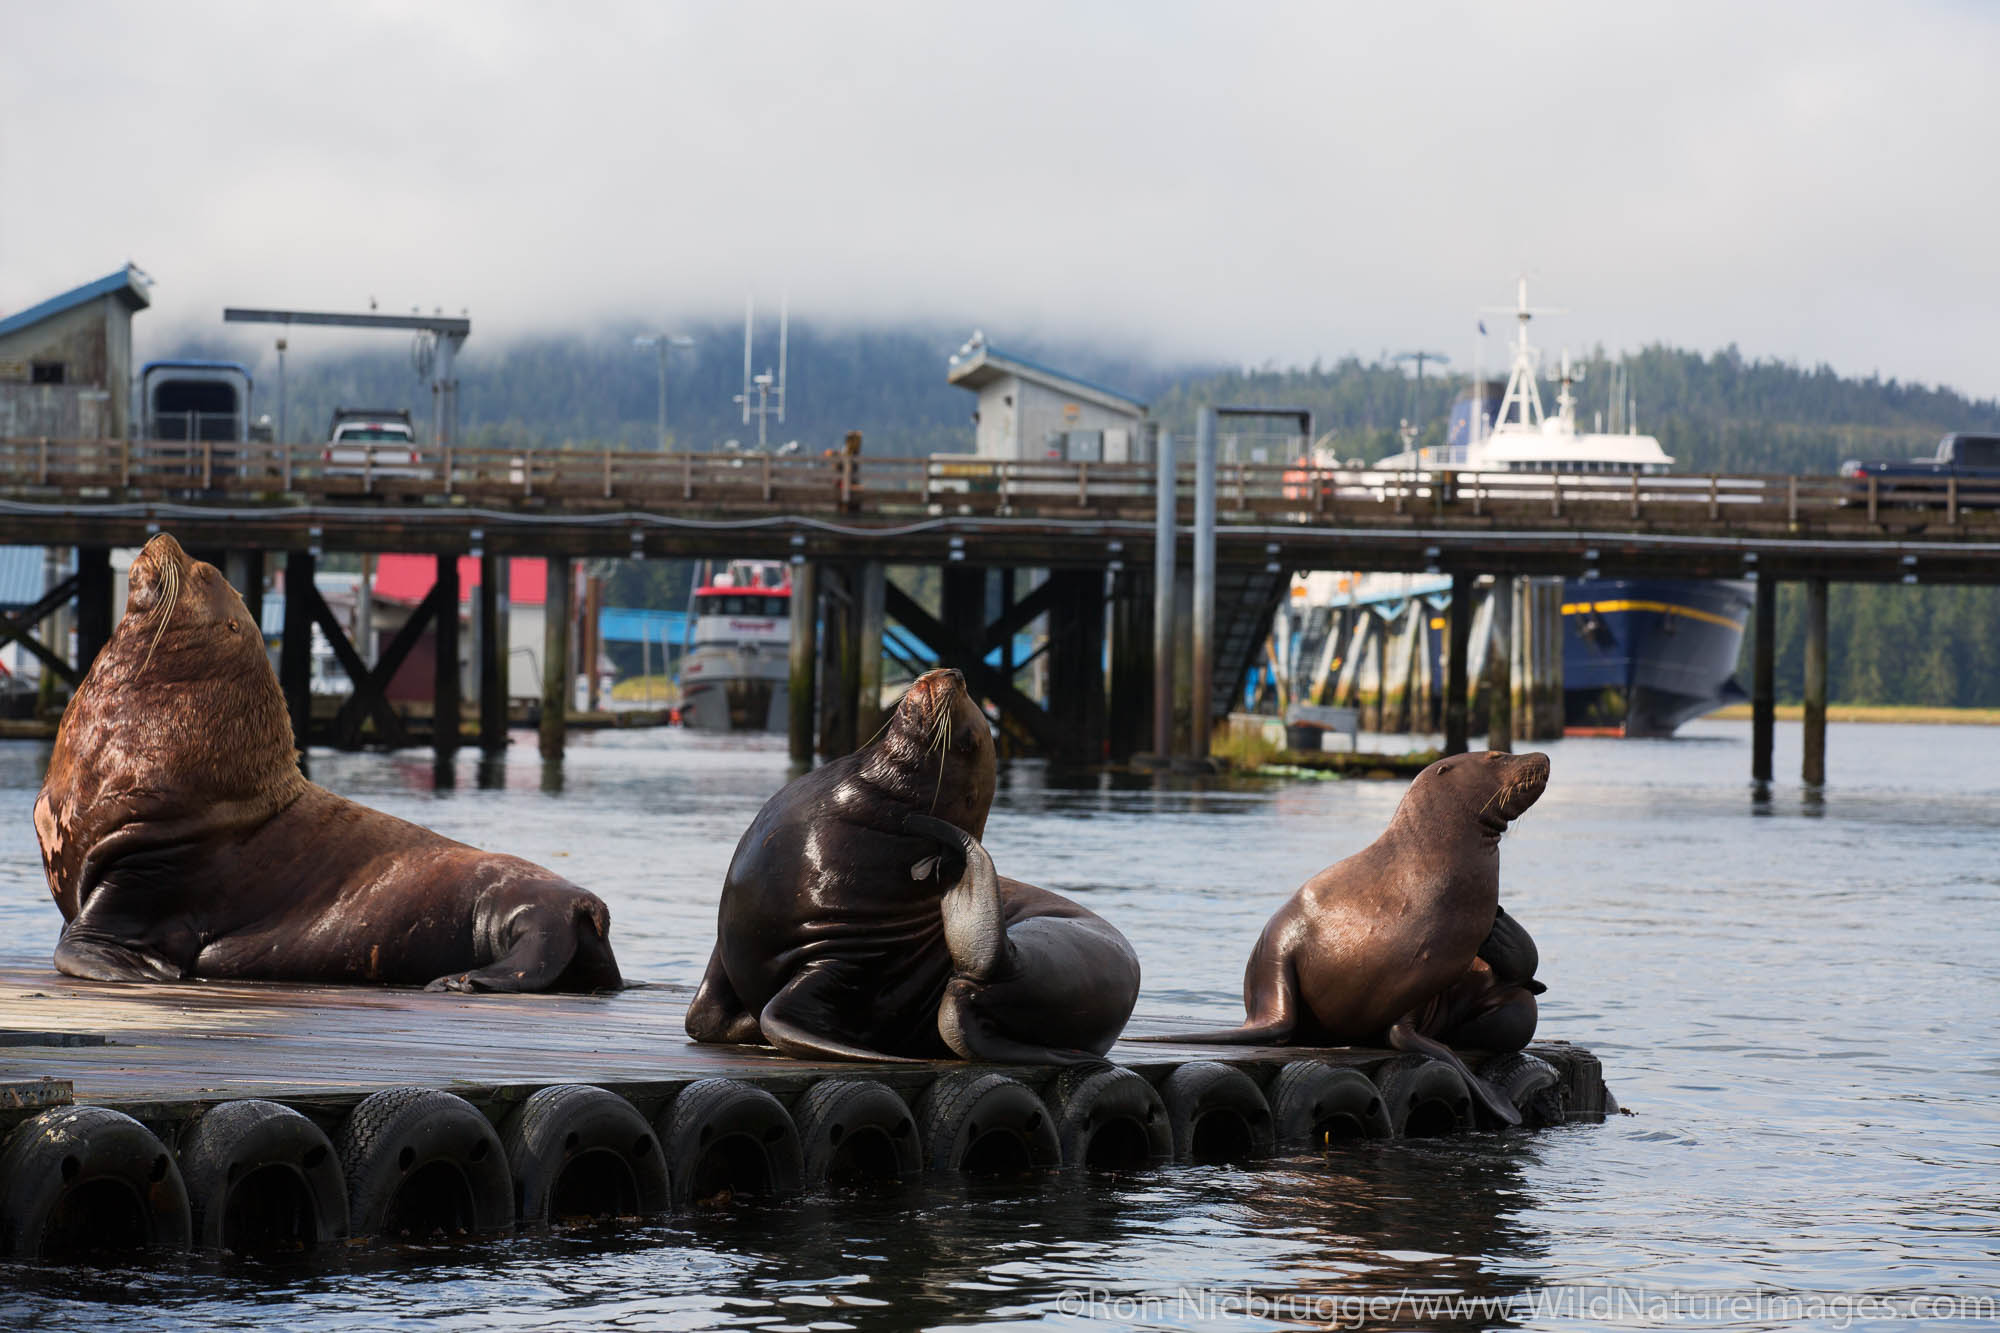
(1814, 182)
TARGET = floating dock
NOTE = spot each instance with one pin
(246, 1117)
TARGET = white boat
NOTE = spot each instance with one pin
(735, 675)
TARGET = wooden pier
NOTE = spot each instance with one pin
(1089, 527)
(301, 1091)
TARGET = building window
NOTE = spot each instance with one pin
(45, 372)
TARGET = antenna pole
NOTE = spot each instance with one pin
(749, 319)
(784, 331)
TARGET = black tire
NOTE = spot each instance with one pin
(83, 1179)
(1217, 1114)
(855, 1130)
(1424, 1097)
(1532, 1084)
(986, 1124)
(724, 1138)
(1314, 1105)
(577, 1152)
(1110, 1119)
(422, 1163)
(262, 1179)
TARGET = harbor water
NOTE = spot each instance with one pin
(1794, 1000)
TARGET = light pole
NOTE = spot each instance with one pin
(663, 342)
(281, 391)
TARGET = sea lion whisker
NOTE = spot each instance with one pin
(170, 595)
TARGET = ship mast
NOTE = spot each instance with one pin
(1523, 396)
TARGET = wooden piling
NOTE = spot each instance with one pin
(802, 689)
(839, 661)
(94, 613)
(592, 647)
(295, 653)
(1814, 768)
(447, 708)
(1460, 628)
(1763, 693)
(1500, 666)
(556, 686)
(245, 571)
(870, 592)
(1130, 701)
(492, 636)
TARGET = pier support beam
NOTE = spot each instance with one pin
(295, 653)
(492, 636)
(1202, 695)
(555, 657)
(1166, 507)
(870, 587)
(1763, 692)
(1500, 663)
(803, 691)
(1130, 713)
(1460, 629)
(94, 613)
(1814, 768)
(1076, 663)
(447, 706)
(840, 661)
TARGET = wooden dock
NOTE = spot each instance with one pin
(182, 1059)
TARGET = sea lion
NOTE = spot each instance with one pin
(1404, 942)
(861, 920)
(181, 840)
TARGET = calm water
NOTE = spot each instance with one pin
(1796, 1001)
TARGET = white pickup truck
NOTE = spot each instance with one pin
(374, 442)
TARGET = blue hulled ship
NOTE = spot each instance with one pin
(1640, 656)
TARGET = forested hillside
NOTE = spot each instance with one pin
(1721, 412)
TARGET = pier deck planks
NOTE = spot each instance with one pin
(165, 1051)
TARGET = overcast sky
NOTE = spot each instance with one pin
(1242, 181)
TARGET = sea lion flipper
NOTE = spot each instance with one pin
(716, 1016)
(975, 927)
(786, 1023)
(80, 955)
(1405, 1037)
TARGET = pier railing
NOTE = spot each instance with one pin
(1269, 493)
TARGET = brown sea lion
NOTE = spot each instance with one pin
(181, 840)
(1404, 942)
(860, 918)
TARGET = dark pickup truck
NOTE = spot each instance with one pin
(1973, 461)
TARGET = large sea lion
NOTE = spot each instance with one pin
(861, 919)
(1404, 942)
(181, 840)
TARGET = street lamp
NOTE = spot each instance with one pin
(663, 342)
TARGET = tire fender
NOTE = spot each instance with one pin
(1314, 1104)
(1217, 1114)
(262, 1177)
(579, 1151)
(1425, 1096)
(1109, 1118)
(88, 1178)
(979, 1122)
(420, 1161)
(857, 1129)
(722, 1136)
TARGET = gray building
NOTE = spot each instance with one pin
(66, 364)
(1029, 411)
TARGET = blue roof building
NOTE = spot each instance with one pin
(66, 363)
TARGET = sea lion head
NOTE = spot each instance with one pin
(936, 751)
(185, 613)
(183, 688)
(1493, 787)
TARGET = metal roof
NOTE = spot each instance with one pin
(986, 360)
(22, 581)
(127, 282)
